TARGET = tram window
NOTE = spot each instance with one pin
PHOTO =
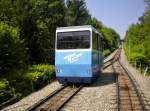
(73, 40)
(94, 41)
(101, 44)
(98, 44)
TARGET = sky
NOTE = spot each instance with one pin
(116, 14)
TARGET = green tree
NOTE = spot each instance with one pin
(76, 13)
(96, 24)
(138, 36)
(12, 51)
(45, 17)
(111, 36)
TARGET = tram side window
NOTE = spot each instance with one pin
(98, 42)
(97, 37)
(101, 44)
(94, 41)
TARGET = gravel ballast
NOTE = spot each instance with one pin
(97, 97)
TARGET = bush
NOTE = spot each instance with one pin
(25, 82)
(43, 68)
(137, 54)
(106, 52)
(39, 75)
(12, 51)
(5, 91)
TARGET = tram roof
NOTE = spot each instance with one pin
(78, 27)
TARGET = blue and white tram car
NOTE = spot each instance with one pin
(78, 54)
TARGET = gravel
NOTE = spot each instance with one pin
(97, 97)
(28, 101)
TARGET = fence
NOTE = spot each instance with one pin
(144, 69)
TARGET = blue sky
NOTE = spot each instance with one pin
(117, 14)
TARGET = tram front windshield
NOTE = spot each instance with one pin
(73, 40)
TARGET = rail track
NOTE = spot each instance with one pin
(56, 100)
(112, 60)
(128, 97)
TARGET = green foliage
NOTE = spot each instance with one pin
(5, 91)
(42, 67)
(12, 51)
(106, 52)
(34, 76)
(37, 21)
(111, 36)
(77, 13)
(40, 71)
(137, 40)
(96, 24)
(40, 74)
(20, 82)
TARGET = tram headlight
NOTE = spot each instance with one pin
(58, 70)
(88, 71)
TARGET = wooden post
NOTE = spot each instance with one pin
(14, 93)
(145, 71)
(129, 49)
(32, 87)
(135, 64)
(140, 68)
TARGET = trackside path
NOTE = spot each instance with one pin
(141, 81)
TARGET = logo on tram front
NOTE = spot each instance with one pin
(73, 57)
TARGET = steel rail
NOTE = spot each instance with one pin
(33, 107)
(116, 79)
(68, 99)
(112, 60)
(135, 87)
(118, 93)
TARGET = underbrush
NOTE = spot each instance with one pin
(19, 83)
(136, 56)
(106, 52)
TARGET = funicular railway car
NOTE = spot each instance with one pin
(78, 54)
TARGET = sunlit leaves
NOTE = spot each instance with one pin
(77, 13)
(137, 39)
(12, 51)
